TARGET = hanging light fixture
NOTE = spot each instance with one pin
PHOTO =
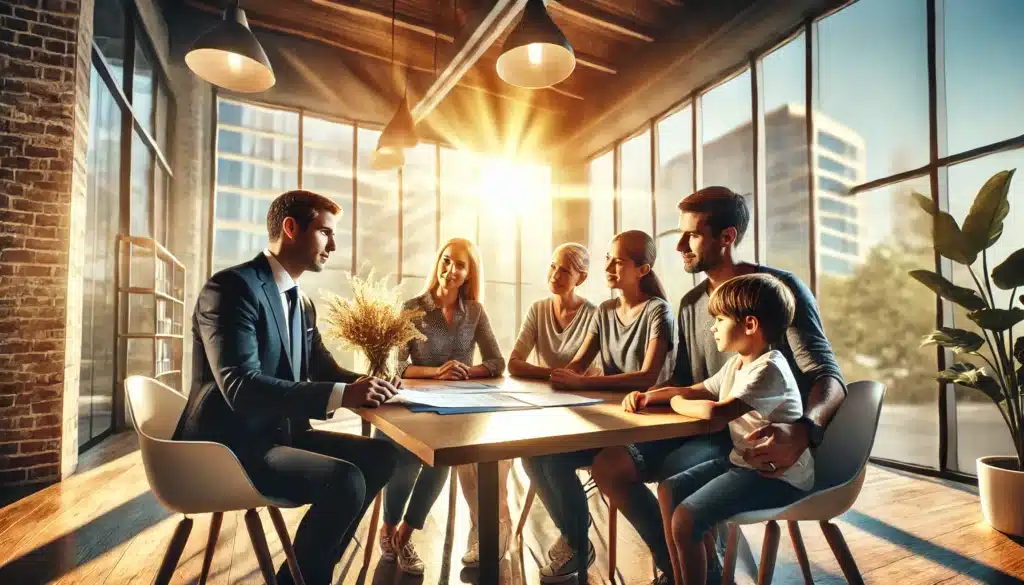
(536, 54)
(229, 56)
(400, 133)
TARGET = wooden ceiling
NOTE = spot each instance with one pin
(604, 34)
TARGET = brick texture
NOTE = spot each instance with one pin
(44, 93)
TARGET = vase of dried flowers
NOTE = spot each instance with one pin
(372, 322)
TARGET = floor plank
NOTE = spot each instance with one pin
(102, 526)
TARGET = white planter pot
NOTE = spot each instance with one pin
(1001, 491)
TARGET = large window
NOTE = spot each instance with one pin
(728, 138)
(788, 206)
(837, 210)
(674, 180)
(391, 221)
(635, 184)
(601, 192)
(127, 140)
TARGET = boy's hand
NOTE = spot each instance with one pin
(634, 401)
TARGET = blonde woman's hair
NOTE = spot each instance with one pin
(577, 255)
(756, 295)
(471, 289)
(642, 250)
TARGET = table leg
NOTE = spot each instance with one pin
(487, 515)
(366, 428)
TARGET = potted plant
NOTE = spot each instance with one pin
(1000, 479)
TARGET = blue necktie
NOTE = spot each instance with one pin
(295, 330)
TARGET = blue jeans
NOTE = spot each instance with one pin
(654, 464)
(554, 478)
(412, 489)
(557, 485)
(714, 491)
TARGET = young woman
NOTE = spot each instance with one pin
(634, 336)
(555, 327)
(455, 324)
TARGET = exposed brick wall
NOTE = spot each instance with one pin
(44, 79)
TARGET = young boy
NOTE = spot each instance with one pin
(755, 387)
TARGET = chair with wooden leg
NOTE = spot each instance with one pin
(199, 477)
(840, 466)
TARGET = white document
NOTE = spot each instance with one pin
(461, 399)
(543, 399)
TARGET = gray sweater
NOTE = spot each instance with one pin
(805, 346)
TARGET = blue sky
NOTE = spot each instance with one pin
(872, 76)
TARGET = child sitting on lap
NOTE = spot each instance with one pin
(755, 387)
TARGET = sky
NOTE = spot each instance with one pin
(872, 76)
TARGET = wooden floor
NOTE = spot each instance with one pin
(102, 525)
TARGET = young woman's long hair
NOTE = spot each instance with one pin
(470, 289)
(642, 250)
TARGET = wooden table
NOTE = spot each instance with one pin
(487, 438)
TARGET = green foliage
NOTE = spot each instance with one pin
(1000, 381)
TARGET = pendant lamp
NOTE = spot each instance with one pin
(229, 56)
(536, 54)
(400, 133)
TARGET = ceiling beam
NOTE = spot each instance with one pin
(582, 12)
(401, 21)
(491, 23)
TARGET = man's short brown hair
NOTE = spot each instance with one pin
(724, 208)
(756, 295)
(303, 206)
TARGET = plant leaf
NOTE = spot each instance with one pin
(1010, 273)
(1018, 350)
(971, 377)
(958, 340)
(997, 319)
(965, 297)
(984, 222)
(952, 243)
(925, 202)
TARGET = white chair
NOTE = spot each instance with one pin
(198, 477)
(840, 465)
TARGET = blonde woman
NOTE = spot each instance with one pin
(555, 327)
(455, 324)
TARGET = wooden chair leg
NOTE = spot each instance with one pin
(613, 517)
(769, 551)
(174, 550)
(286, 544)
(371, 534)
(530, 494)
(801, 551)
(259, 544)
(731, 546)
(211, 546)
(835, 539)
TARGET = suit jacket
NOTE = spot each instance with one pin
(243, 392)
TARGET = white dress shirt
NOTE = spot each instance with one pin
(285, 282)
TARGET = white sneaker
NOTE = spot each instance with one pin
(408, 561)
(387, 547)
(472, 557)
(564, 566)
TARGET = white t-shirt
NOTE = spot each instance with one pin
(768, 387)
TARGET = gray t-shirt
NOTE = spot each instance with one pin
(623, 347)
(540, 334)
(805, 346)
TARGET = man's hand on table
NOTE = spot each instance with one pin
(368, 392)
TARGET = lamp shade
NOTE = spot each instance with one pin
(400, 131)
(536, 54)
(229, 56)
(387, 158)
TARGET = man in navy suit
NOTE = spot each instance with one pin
(261, 371)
